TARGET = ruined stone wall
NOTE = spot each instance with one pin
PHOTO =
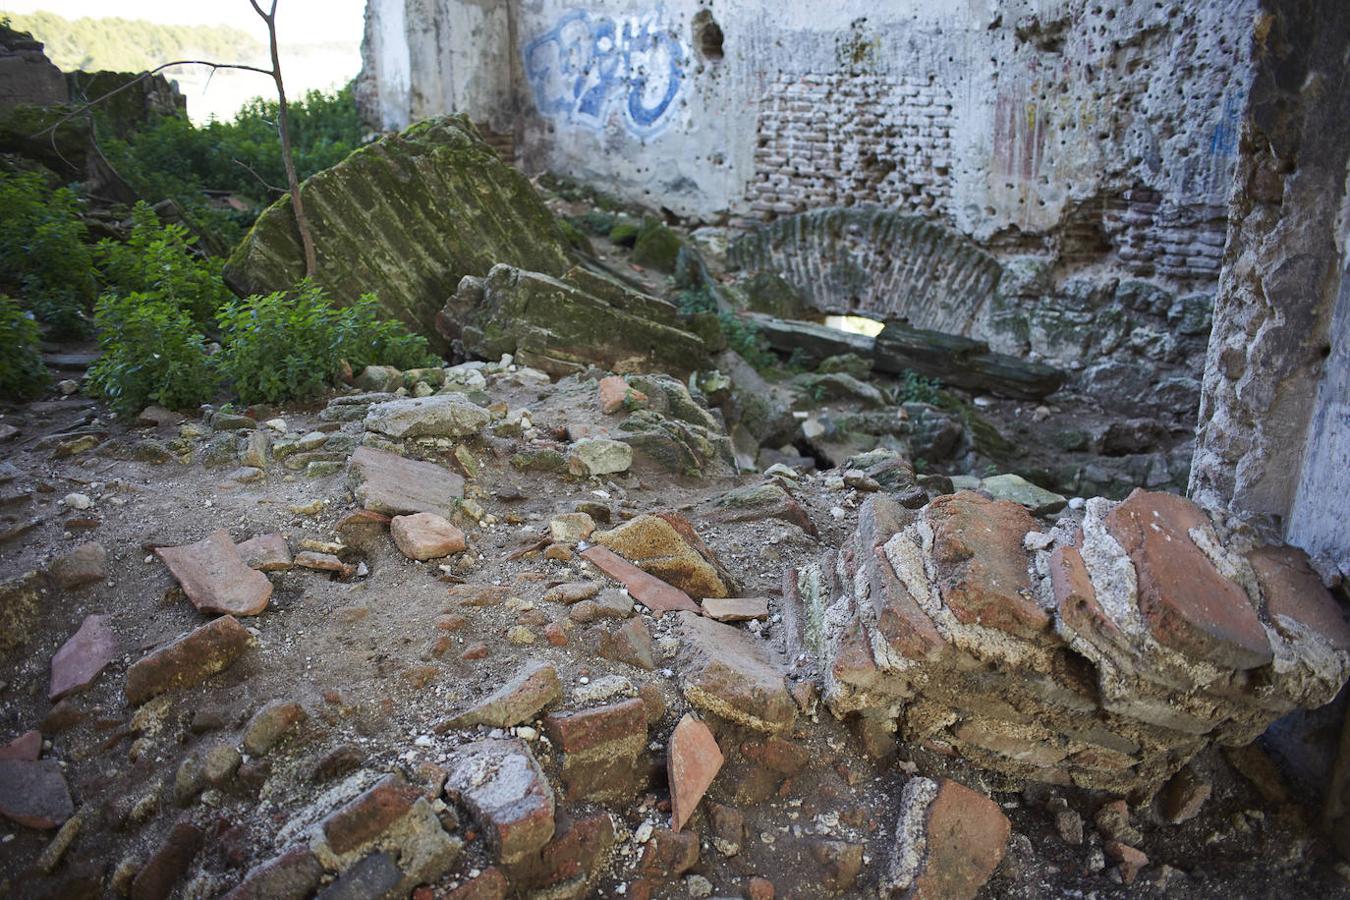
(27, 77)
(425, 58)
(1090, 132)
(1274, 440)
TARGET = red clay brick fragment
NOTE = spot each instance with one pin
(646, 589)
(693, 761)
(1188, 604)
(190, 660)
(215, 577)
(1291, 588)
(977, 545)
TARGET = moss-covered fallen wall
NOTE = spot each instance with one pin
(406, 218)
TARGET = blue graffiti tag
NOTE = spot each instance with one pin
(584, 66)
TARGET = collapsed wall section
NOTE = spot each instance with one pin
(1103, 653)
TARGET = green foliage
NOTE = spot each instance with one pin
(152, 353)
(133, 45)
(172, 158)
(368, 340)
(742, 335)
(698, 300)
(595, 221)
(160, 260)
(22, 374)
(799, 361)
(44, 259)
(293, 346)
(915, 388)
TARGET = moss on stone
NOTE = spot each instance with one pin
(406, 218)
(656, 247)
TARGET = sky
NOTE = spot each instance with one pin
(310, 21)
(336, 24)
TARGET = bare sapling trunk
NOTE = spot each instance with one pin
(283, 126)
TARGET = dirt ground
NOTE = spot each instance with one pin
(355, 653)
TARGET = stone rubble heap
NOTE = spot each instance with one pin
(1103, 656)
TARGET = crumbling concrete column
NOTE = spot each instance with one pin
(1273, 446)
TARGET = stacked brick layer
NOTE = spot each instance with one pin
(1103, 654)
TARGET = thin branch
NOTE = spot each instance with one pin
(283, 127)
(141, 77)
(246, 167)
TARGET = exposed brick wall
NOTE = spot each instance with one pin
(842, 138)
(1154, 235)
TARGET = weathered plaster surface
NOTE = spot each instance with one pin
(1066, 127)
(1274, 438)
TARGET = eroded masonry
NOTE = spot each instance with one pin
(869, 449)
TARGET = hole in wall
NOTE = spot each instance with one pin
(708, 36)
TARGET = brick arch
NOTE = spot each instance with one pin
(875, 262)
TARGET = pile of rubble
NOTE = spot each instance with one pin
(473, 632)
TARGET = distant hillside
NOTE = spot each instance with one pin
(133, 45)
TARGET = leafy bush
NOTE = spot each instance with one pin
(159, 259)
(175, 159)
(44, 260)
(152, 353)
(293, 346)
(22, 374)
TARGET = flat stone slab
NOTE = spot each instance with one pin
(86, 564)
(190, 660)
(26, 746)
(441, 415)
(83, 657)
(266, 553)
(1034, 498)
(1188, 604)
(501, 784)
(387, 483)
(649, 590)
(215, 577)
(33, 792)
(726, 673)
(692, 762)
(529, 690)
(425, 535)
(667, 547)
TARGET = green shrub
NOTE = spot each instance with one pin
(292, 346)
(744, 337)
(595, 221)
(22, 374)
(369, 340)
(172, 158)
(152, 353)
(915, 388)
(44, 260)
(159, 259)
